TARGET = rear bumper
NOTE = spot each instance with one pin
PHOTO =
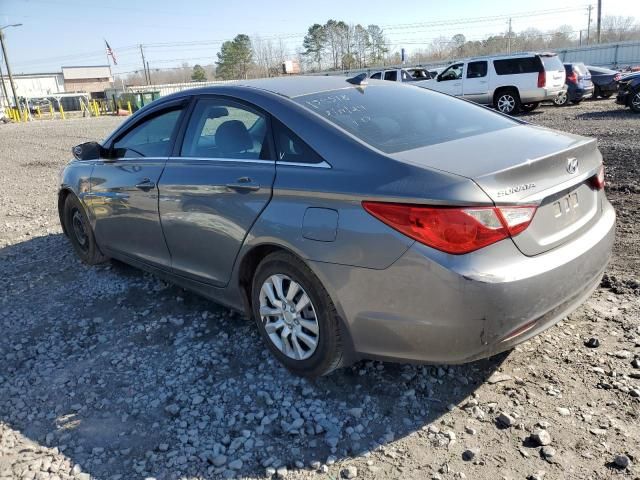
(438, 308)
(623, 98)
(540, 94)
(581, 93)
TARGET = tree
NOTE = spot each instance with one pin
(315, 43)
(198, 74)
(234, 58)
(377, 43)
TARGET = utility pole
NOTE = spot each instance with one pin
(4, 89)
(599, 17)
(509, 38)
(144, 66)
(589, 23)
(6, 62)
(148, 73)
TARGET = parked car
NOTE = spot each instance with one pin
(347, 222)
(605, 81)
(508, 82)
(419, 73)
(43, 104)
(579, 85)
(393, 75)
(629, 92)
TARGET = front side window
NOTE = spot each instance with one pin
(223, 129)
(392, 118)
(151, 138)
(476, 69)
(391, 75)
(454, 72)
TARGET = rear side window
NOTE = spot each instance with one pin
(391, 75)
(150, 138)
(220, 128)
(376, 76)
(392, 118)
(515, 66)
(476, 69)
(290, 147)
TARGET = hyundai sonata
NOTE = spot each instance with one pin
(350, 220)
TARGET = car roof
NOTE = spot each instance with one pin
(297, 86)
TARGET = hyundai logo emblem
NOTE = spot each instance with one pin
(572, 165)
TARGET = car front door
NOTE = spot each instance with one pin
(123, 200)
(214, 187)
(450, 80)
(476, 84)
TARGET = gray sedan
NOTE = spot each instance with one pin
(347, 222)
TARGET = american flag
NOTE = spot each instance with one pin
(110, 53)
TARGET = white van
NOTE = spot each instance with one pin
(508, 82)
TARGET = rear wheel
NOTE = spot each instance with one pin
(79, 231)
(561, 100)
(634, 104)
(295, 316)
(507, 101)
(529, 107)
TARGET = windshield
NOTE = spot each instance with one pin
(551, 62)
(397, 118)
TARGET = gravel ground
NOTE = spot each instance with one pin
(110, 373)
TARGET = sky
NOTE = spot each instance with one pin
(58, 33)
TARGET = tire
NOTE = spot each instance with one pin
(529, 107)
(301, 359)
(78, 228)
(634, 102)
(507, 101)
(606, 95)
(561, 100)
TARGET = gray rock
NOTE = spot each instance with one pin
(235, 465)
(349, 472)
(621, 461)
(541, 437)
(506, 420)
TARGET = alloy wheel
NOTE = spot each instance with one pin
(561, 99)
(506, 103)
(635, 101)
(289, 317)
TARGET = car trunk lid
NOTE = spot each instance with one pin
(527, 165)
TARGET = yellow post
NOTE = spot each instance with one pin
(129, 107)
(16, 114)
(10, 110)
(62, 112)
(119, 105)
(25, 114)
(53, 115)
(38, 112)
(95, 108)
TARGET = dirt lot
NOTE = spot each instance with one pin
(110, 373)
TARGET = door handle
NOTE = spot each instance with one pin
(145, 185)
(244, 184)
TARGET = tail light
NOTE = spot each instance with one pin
(597, 181)
(451, 229)
(572, 78)
(542, 79)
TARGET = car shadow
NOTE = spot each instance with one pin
(129, 376)
(621, 113)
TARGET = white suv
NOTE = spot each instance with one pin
(508, 82)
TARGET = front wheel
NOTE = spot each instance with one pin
(634, 104)
(529, 107)
(507, 102)
(295, 316)
(78, 228)
(561, 100)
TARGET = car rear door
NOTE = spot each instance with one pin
(475, 85)
(215, 186)
(123, 201)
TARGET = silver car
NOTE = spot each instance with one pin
(347, 222)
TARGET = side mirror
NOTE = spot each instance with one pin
(438, 78)
(88, 151)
